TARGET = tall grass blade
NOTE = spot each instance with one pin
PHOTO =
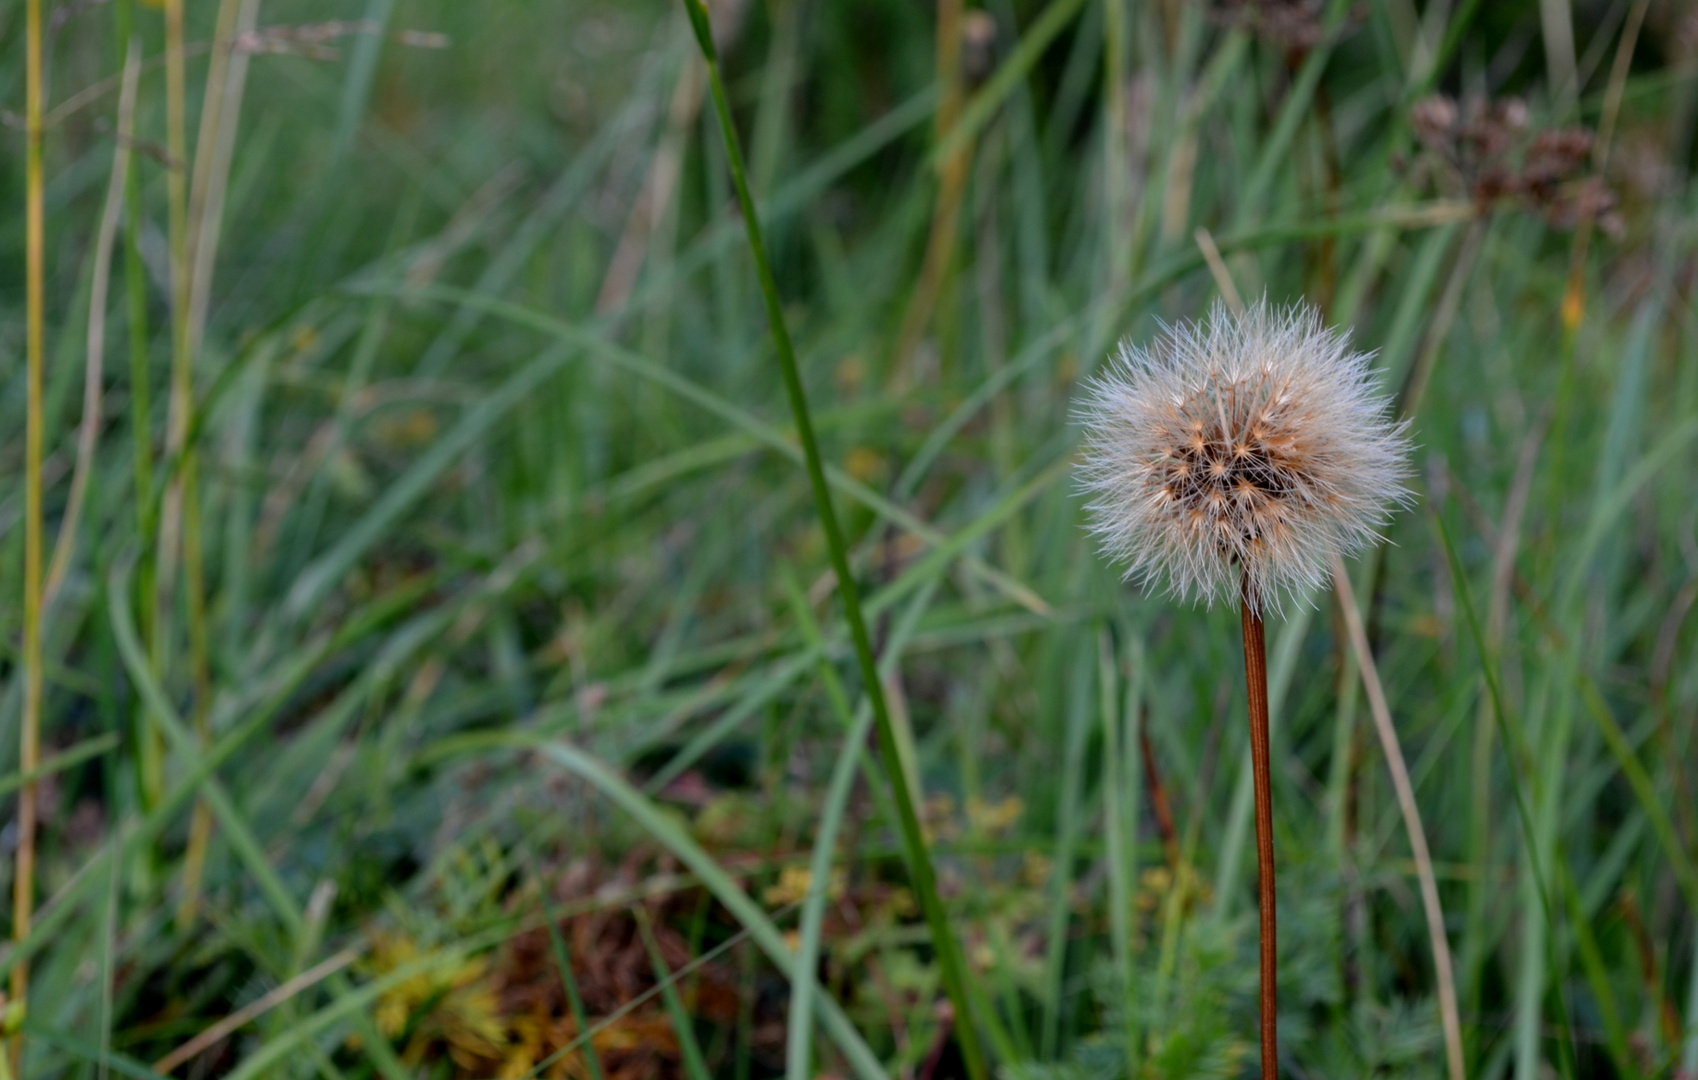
(29, 750)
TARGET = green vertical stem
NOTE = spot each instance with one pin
(1066, 839)
(221, 103)
(1557, 476)
(29, 749)
(177, 422)
(1689, 1052)
(362, 73)
(1343, 737)
(194, 581)
(857, 724)
(1117, 239)
(919, 860)
(1120, 800)
(1480, 890)
(695, 1065)
(135, 284)
(1340, 804)
(1518, 755)
(568, 981)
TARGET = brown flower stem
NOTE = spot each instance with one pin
(1159, 801)
(1256, 683)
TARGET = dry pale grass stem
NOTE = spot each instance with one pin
(1404, 787)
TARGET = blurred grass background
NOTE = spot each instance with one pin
(492, 723)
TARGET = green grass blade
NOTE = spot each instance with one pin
(569, 981)
(1516, 750)
(695, 1066)
(856, 728)
(161, 712)
(592, 342)
(919, 860)
(1066, 840)
(362, 73)
(720, 884)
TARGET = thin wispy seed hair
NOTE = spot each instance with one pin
(1243, 451)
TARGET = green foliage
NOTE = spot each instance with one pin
(1396, 1040)
(518, 600)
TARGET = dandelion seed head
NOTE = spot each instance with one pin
(1251, 446)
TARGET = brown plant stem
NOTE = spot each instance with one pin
(1159, 801)
(1256, 685)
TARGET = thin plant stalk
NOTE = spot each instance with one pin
(1116, 249)
(953, 169)
(568, 980)
(200, 821)
(141, 397)
(278, 995)
(1405, 789)
(1116, 182)
(221, 103)
(1120, 795)
(949, 957)
(187, 268)
(695, 1065)
(88, 435)
(1256, 687)
(181, 388)
(29, 750)
(1515, 748)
